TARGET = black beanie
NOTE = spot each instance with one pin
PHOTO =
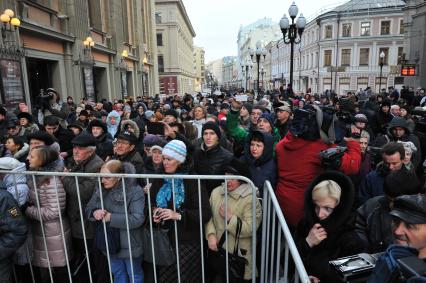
(211, 126)
(248, 106)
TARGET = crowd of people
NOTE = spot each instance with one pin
(338, 165)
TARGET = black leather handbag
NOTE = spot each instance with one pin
(165, 255)
(216, 260)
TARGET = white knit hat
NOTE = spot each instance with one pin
(175, 149)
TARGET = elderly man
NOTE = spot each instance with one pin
(409, 230)
(84, 160)
(125, 150)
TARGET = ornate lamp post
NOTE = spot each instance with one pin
(262, 73)
(381, 62)
(259, 52)
(292, 33)
(247, 65)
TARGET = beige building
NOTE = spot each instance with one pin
(175, 48)
(200, 80)
(95, 49)
(340, 49)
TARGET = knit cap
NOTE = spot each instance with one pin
(149, 114)
(175, 149)
(211, 126)
(269, 118)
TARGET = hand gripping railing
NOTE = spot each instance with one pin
(275, 232)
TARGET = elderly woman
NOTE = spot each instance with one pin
(114, 214)
(177, 201)
(240, 204)
(46, 207)
(409, 148)
(327, 231)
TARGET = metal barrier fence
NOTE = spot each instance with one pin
(269, 244)
(276, 239)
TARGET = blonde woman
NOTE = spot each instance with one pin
(327, 231)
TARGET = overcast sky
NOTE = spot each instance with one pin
(216, 22)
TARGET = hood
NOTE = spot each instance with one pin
(242, 191)
(9, 163)
(23, 151)
(132, 124)
(268, 151)
(112, 129)
(292, 142)
(398, 122)
(15, 166)
(342, 211)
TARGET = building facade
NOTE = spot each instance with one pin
(341, 49)
(175, 48)
(52, 50)
(200, 81)
(415, 40)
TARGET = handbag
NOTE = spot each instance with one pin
(236, 264)
(113, 236)
(165, 255)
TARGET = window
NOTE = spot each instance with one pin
(158, 18)
(401, 26)
(346, 57)
(385, 27)
(159, 39)
(385, 59)
(327, 58)
(365, 28)
(160, 64)
(363, 81)
(345, 81)
(346, 30)
(401, 55)
(364, 54)
(328, 31)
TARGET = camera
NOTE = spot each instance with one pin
(355, 268)
(44, 97)
(332, 158)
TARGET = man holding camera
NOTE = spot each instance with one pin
(52, 106)
(404, 261)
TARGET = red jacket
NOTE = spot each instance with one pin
(298, 163)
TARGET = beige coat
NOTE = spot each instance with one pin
(240, 203)
(49, 212)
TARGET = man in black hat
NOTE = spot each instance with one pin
(125, 150)
(84, 160)
(40, 138)
(171, 116)
(409, 222)
(98, 129)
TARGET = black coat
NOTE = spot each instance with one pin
(374, 225)
(189, 226)
(211, 162)
(64, 137)
(104, 146)
(341, 240)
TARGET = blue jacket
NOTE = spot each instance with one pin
(372, 185)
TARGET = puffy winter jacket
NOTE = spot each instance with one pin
(16, 184)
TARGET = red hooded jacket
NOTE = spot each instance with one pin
(298, 164)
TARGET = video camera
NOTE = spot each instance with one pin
(357, 268)
(332, 158)
(44, 98)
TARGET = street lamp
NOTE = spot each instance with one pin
(382, 59)
(247, 65)
(262, 72)
(259, 52)
(292, 33)
(9, 25)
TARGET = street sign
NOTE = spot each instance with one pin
(408, 70)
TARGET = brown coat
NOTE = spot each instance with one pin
(49, 195)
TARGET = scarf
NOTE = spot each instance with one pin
(164, 195)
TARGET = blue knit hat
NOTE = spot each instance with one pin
(269, 118)
(175, 149)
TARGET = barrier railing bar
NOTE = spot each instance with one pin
(272, 246)
(277, 266)
(42, 229)
(268, 239)
(254, 233)
(286, 263)
(201, 231)
(263, 256)
(128, 229)
(84, 230)
(62, 228)
(176, 231)
(105, 233)
(226, 231)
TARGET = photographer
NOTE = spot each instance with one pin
(409, 222)
(50, 105)
(299, 161)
